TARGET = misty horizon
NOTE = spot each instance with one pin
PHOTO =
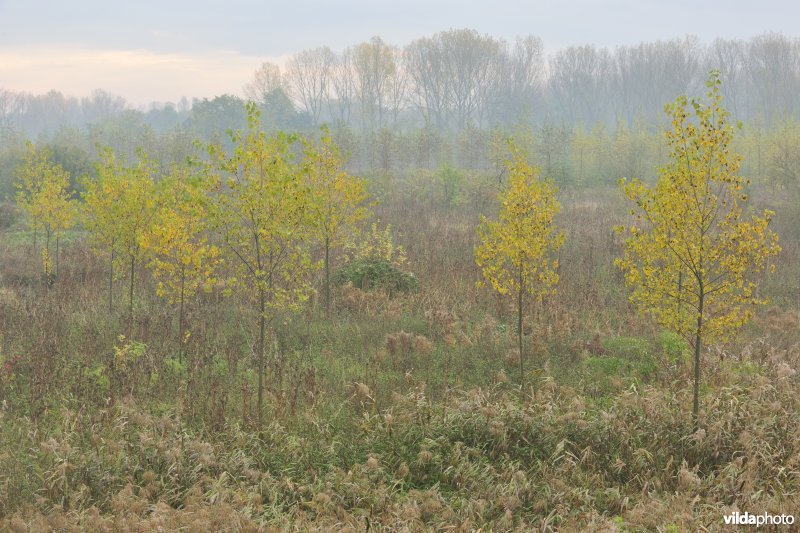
(151, 53)
(141, 67)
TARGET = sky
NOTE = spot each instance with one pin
(157, 51)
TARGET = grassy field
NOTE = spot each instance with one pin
(394, 413)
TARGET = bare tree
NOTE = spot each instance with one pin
(473, 63)
(101, 105)
(773, 66)
(425, 64)
(266, 79)
(374, 66)
(579, 83)
(397, 87)
(522, 78)
(455, 73)
(343, 87)
(308, 73)
(649, 74)
(728, 57)
(11, 107)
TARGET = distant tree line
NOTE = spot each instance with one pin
(584, 114)
(461, 78)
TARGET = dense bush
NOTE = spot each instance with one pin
(375, 274)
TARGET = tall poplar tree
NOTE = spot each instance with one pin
(694, 250)
(261, 211)
(515, 251)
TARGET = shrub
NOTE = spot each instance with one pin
(673, 347)
(372, 274)
(637, 352)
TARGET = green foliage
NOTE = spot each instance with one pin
(515, 251)
(630, 348)
(337, 200)
(627, 360)
(637, 352)
(120, 205)
(128, 354)
(693, 251)
(375, 274)
(280, 114)
(376, 244)
(180, 255)
(210, 119)
(261, 208)
(97, 377)
(260, 205)
(44, 197)
(672, 346)
(451, 182)
(605, 366)
(175, 366)
(783, 157)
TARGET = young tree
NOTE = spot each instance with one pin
(100, 199)
(30, 176)
(515, 251)
(44, 196)
(120, 205)
(336, 199)
(691, 254)
(261, 211)
(783, 157)
(56, 213)
(181, 257)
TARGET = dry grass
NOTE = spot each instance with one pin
(482, 459)
(394, 413)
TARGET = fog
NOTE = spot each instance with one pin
(170, 50)
(448, 81)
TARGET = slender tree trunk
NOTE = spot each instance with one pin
(47, 267)
(519, 332)
(758, 152)
(261, 334)
(57, 252)
(327, 276)
(697, 349)
(111, 283)
(130, 291)
(180, 316)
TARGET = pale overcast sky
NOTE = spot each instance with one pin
(159, 51)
